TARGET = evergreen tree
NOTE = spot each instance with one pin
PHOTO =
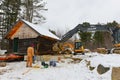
(11, 10)
(113, 24)
(86, 24)
(24, 9)
(98, 38)
(85, 37)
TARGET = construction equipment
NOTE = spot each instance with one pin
(78, 47)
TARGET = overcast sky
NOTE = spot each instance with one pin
(66, 14)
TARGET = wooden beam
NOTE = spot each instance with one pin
(14, 29)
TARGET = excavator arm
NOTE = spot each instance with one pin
(114, 31)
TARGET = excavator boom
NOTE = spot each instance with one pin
(114, 31)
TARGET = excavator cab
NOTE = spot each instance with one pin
(78, 47)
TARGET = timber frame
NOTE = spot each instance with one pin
(22, 35)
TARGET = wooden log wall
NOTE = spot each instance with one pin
(42, 45)
(23, 44)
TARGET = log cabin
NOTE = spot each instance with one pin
(24, 33)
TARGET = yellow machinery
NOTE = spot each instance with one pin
(78, 47)
(68, 47)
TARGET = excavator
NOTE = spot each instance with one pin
(65, 47)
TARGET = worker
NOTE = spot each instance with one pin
(30, 54)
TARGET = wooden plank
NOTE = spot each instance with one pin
(14, 29)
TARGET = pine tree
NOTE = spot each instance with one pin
(86, 24)
(85, 37)
(113, 24)
(11, 10)
(98, 38)
(22, 9)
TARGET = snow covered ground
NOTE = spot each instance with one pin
(63, 71)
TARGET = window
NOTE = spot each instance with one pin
(78, 44)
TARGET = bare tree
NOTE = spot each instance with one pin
(32, 10)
